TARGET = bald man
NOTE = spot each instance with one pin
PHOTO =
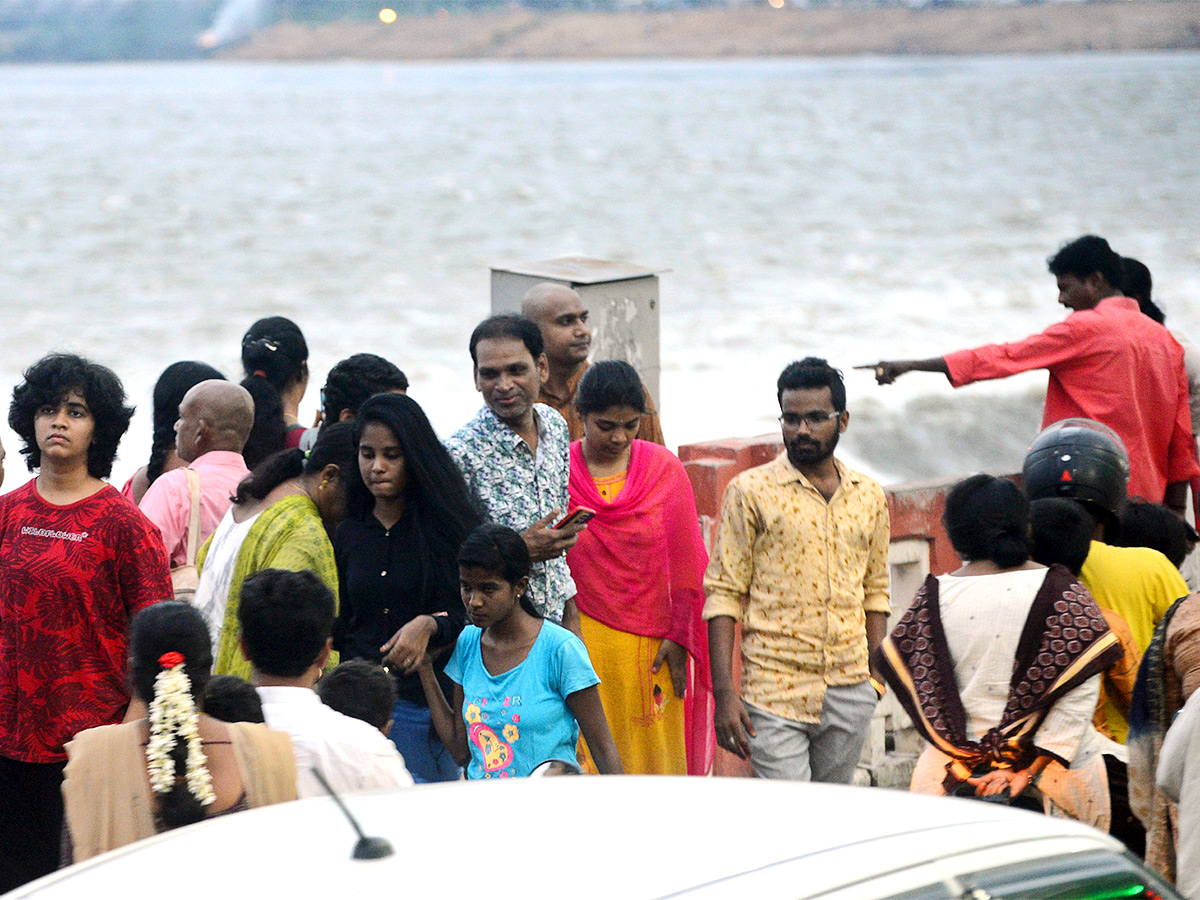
(215, 418)
(562, 317)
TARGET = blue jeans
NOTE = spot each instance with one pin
(425, 756)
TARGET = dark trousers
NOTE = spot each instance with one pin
(1125, 825)
(31, 820)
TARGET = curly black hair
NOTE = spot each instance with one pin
(356, 378)
(48, 382)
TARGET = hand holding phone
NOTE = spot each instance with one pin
(579, 515)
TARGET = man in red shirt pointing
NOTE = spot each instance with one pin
(1107, 361)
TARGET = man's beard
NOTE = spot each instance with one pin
(810, 452)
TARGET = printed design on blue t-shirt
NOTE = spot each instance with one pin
(521, 717)
(496, 752)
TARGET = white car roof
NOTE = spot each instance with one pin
(623, 837)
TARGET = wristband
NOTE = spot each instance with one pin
(880, 687)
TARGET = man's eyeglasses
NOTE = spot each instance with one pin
(812, 419)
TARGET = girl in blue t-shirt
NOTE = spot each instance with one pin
(523, 686)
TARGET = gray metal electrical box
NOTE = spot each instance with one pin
(621, 298)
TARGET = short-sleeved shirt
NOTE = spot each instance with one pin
(520, 719)
(515, 487)
(71, 579)
(1137, 583)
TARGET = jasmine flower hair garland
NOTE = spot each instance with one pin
(173, 717)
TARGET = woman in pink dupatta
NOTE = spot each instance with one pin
(639, 570)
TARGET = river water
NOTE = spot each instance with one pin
(851, 208)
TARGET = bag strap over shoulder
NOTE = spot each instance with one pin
(193, 542)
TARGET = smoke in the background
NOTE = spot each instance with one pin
(236, 21)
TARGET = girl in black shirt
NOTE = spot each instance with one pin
(396, 564)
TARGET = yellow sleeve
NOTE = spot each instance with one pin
(1171, 587)
(877, 579)
(731, 566)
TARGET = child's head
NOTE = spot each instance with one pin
(231, 699)
(362, 690)
(287, 621)
(1060, 532)
(493, 568)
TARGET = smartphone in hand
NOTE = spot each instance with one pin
(580, 514)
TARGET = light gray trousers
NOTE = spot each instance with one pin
(828, 751)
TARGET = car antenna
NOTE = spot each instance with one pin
(367, 847)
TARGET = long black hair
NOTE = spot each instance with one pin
(274, 354)
(335, 446)
(442, 507)
(171, 627)
(175, 381)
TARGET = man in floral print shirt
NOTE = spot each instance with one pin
(800, 559)
(514, 456)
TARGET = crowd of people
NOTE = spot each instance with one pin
(266, 611)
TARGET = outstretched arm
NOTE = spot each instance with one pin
(887, 371)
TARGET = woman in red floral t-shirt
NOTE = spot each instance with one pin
(77, 560)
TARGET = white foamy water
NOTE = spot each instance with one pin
(854, 209)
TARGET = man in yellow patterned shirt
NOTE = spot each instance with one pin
(801, 561)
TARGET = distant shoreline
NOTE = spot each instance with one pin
(758, 31)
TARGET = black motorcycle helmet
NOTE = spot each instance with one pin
(1081, 460)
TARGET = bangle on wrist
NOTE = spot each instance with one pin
(880, 687)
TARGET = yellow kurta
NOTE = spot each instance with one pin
(645, 716)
